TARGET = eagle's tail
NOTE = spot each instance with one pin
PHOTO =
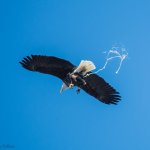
(85, 66)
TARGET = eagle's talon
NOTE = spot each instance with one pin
(71, 85)
(78, 90)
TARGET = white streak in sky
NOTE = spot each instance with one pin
(115, 52)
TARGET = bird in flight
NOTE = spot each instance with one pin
(71, 75)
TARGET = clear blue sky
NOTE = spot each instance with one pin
(33, 115)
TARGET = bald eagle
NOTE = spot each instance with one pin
(71, 75)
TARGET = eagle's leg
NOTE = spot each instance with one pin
(71, 85)
(78, 90)
(82, 81)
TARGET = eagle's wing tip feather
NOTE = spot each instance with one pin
(27, 62)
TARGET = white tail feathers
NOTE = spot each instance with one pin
(85, 66)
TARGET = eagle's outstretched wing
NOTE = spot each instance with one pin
(95, 85)
(48, 65)
(101, 90)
